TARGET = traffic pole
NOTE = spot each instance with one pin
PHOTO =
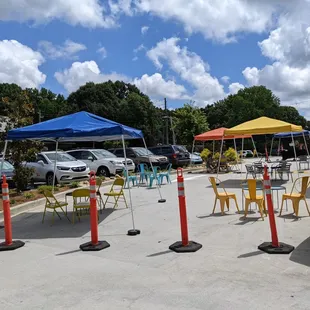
(273, 247)
(94, 244)
(184, 246)
(8, 244)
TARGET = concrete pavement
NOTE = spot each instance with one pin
(139, 272)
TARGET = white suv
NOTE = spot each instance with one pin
(68, 169)
(103, 162)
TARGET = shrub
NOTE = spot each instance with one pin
(231, 154)
(22, 177)
(216, 156)
(74, 185)
(28, 195)
(204, 154)
(43, 188)
(12, 201)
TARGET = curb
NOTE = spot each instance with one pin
(61, 196)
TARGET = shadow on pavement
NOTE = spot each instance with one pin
(301, 254)
(160, 253)
(29, 225)
(246, 255)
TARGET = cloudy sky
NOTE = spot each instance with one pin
(200, 51)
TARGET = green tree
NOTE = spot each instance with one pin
(20, 114)
(189, 121)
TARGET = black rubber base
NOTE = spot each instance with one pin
(161, 200)
(15, 245)
(191, 247)
(282, 249)
(88, 246)
(133, 232)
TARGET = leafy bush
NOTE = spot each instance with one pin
(22, 176)
(216, 156)
(43, 188)
(204, 154)
(231, 154)
(74, 185)
(28, 195)
(12, 201)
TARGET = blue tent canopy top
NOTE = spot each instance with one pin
(289, 134)
(80, 126)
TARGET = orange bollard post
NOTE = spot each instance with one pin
(273, 247)
(9, 244)
(94, 244)
(183, 246)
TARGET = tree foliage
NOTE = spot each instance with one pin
(189, 121)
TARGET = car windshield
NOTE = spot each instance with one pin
(7, 166)
(103, 154)
(141, 151)
(61, 157)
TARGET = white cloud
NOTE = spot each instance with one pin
(289, 47)
(225, 79)
(87, 13)
(144, 29)
(220, 20)
(234, 88)
(155, 86)
(140, 48)
(67, 50)
(103, 52)
(190, 67)
(82, 72)
(20, 64)
(135, 58)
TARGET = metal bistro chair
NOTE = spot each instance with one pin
(303, 161)
(285, 168)
(250, 170)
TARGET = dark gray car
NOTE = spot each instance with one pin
(141, 155)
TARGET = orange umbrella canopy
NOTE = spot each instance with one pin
(218, 134)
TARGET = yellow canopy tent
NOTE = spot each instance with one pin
(262, 126)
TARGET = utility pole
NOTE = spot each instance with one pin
(167, 124)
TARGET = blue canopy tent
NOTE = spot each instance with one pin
(80, 126)
(291, 135)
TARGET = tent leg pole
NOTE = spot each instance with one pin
(161, 200)
(213, 147)
(242, 147)
(192, 152)
(295, 153)
(279, 147)
(3, 156)
(254, 147)
(271, 147)
(133, 231)
(303, 134)
(235, 146)
(219, 162)
(55, 165)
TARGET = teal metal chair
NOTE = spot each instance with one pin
(154, 176)
(144, 174)
(165, 174)
(130, 178)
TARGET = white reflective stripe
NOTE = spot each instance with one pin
(92, 195)
(180, 184)
(92, 187)
(181, 193)
(5, 190)
(5, 198)
(268, 191)
(267, 183)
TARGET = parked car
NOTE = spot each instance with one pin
(68, 169)
(246, 153)
(103, 162)
(141, 155)
(177, 155)
(196, 159)
(9, 171)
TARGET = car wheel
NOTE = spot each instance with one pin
(50, 179)
(103, 172)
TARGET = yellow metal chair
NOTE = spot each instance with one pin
(116, 192)
(52, 203)
(297, 197)
(253, 197)
(222, 197)
(81, 202)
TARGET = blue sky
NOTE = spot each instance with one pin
(183, 54)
